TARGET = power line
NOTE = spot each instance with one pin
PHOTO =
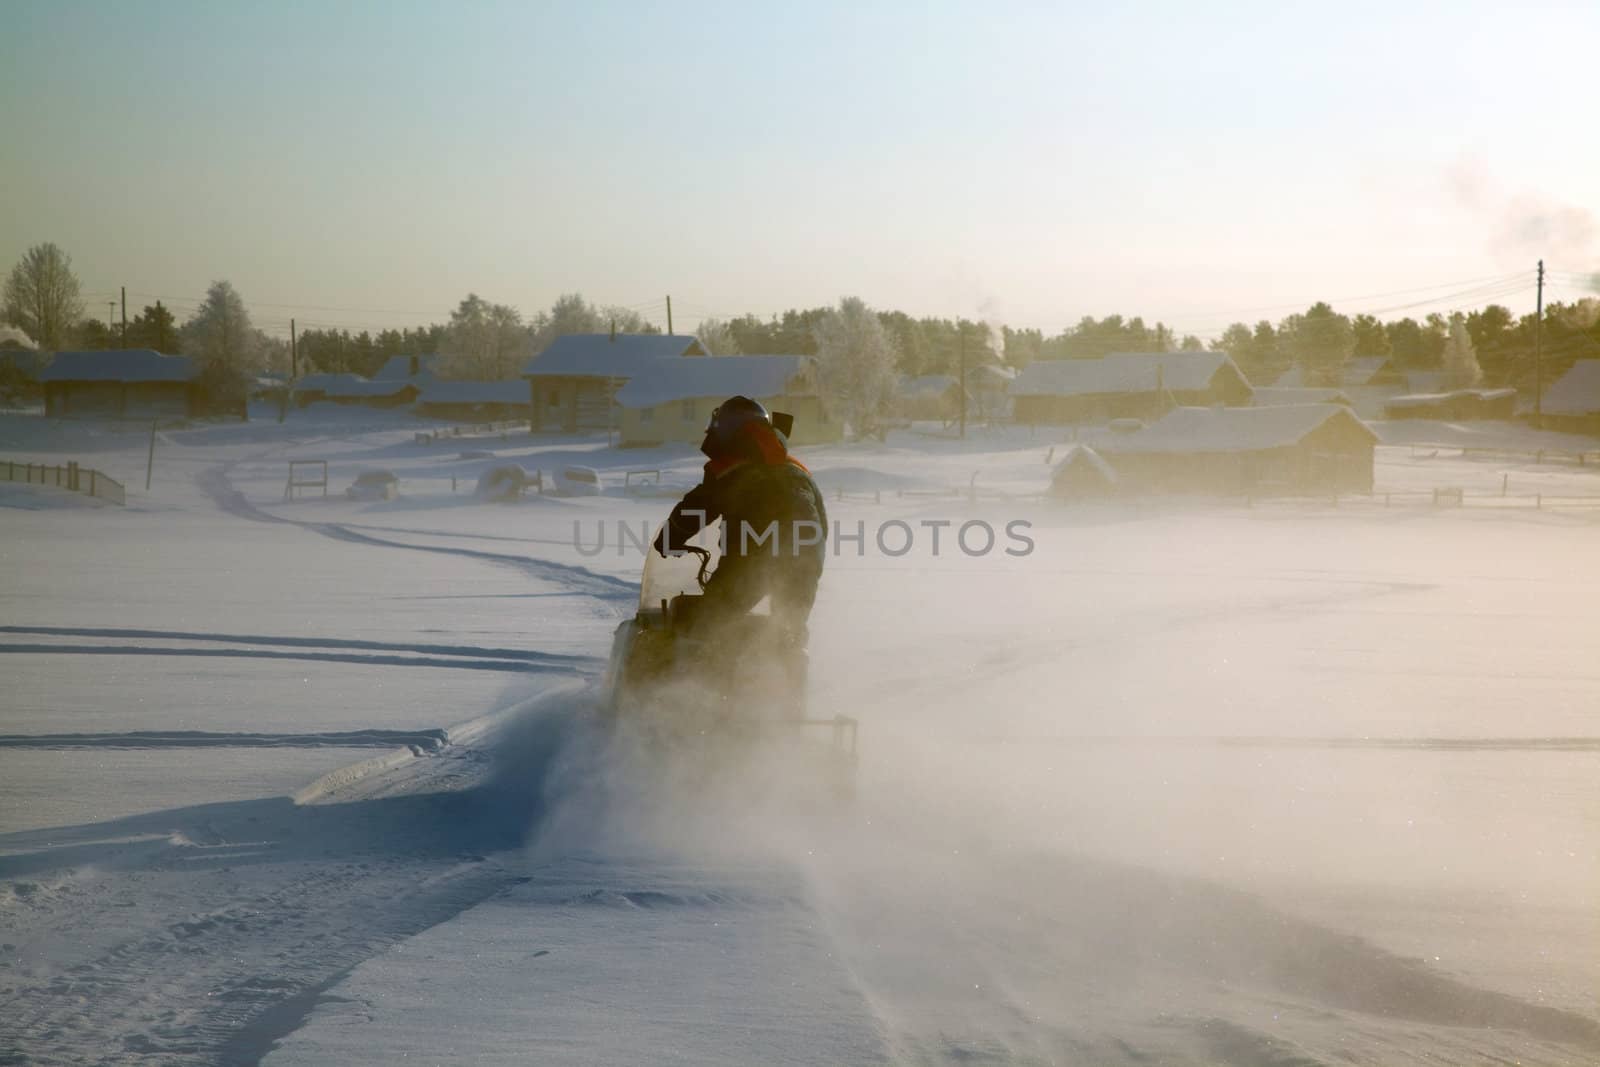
(1213, 315)
(1452, 301)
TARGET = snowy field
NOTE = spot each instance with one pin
(314, 781)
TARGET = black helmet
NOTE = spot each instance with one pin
(728, 422)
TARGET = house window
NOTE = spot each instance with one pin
(688, 411)
(647, 415)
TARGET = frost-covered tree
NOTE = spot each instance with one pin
(717, 338)
(571, 313)
(272, 353)
(1460, 359)
(485, 342)
(220, 332)
(42, 296)
(856, 364)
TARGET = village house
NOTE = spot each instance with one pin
(419, 368)
(1276, 396)
(352, 389)
(19, 373)
(473, 401)
(1572, 401)
(1305, 448)
(928, 398)
(573, 382)
(1357, 373)
(672, 400)
(989, 391)
(1124, 385)
(120, 383)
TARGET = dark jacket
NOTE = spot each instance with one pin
(774, 530)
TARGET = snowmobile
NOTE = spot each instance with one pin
(742, 689)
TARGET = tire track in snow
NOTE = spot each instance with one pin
(603, 587)
(416, 740)
(244, 911)
(543, 658)
(517, 666)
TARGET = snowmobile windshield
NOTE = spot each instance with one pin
(665, 577)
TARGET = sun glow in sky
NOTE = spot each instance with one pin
(369, 164)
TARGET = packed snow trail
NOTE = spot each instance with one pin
(234, 909)
(215, 484)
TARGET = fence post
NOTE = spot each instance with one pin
(150, 463)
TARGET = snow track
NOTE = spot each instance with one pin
(240, 911)
(314, 643)
(215, 484)
(415, 740)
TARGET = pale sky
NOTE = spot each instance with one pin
(369, 164)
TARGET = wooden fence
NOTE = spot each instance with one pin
(502, 429)
(71, 477)
(1540, 456)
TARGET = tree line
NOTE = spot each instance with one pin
(489, 341)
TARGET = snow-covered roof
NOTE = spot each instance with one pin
(1576, 392)
(1084, 456)
(720, 377)
(927, 385)
(1121, 372)
(437, 392)
(400, 367)
(601, 355)
(350, 386)
(125, 365)
(1425, 381)
(1232, 429)
(993, 372)
(1265, 395)
(1358, 371)
(1425, 400)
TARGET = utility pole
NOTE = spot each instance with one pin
(669, 315)
(294, 354)
(124, 316)
(961, 344)
(1538, 353)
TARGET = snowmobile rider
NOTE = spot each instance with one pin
(774, 523)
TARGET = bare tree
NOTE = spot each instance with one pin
(42, 296)
(856, 364)
(717, 338)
